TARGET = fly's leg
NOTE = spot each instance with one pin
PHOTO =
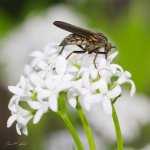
(93, 51)
(61, 50)
(81, 47)
(94, 60)
(77, 52)
(105, 53)
(98, 52)
(71, 52)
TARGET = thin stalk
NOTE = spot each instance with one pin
(117, 129)
(86, 127)
(73, 132)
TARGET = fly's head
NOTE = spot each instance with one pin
(108, 47)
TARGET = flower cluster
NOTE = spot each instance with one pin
(50, 73)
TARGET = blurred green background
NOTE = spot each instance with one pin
(126, 22)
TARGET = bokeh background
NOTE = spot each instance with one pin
(26, 25)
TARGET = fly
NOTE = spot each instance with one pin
(88, 41)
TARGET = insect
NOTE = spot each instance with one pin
(88, 41)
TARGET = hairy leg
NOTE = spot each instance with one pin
(61, 50)
(77, 52)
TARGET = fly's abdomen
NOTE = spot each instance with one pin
(73, 39)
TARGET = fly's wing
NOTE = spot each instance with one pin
(76, 30)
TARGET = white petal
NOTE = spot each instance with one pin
(82, 71)
(72, 93)
(128, 74)
(34, 104)
(43, 93)
(105, 75)
(85, 60)
(50, 49)
(11, 120)
(43, 65)
(115, 67)
(49, 83)
(15, 90)
(63, 86)
(18, 129)
(53, 103)
(102, 63)
(25, 131)
(13, 102)
(112, 56)
(22, 120)
(23, 112)
(72, 101)
(61, 65)
(107, 106)
(36, 80)
(34, 62)
(82, 91)
(77, 83)
(86, 80)
(72, 69)
(95, 86)
(93, 98)
(103, 87)
(114, 92)
(93, 73)
(68, 77)
(133, 88)
(37, 116)
(125, 76)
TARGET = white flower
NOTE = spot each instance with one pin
(43, 62)
(23, 89)
(105, 68)
(60, 81)
(22, 92)
(78, 91)
(20, 115)
(41, 107)
(50, 73)
(49, 53)
(125, 78)
(91, 84)
(107, 95)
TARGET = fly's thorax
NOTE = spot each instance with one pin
(101, 38)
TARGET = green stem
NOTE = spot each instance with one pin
(73, 132)
(86, 127)
(117, 128)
